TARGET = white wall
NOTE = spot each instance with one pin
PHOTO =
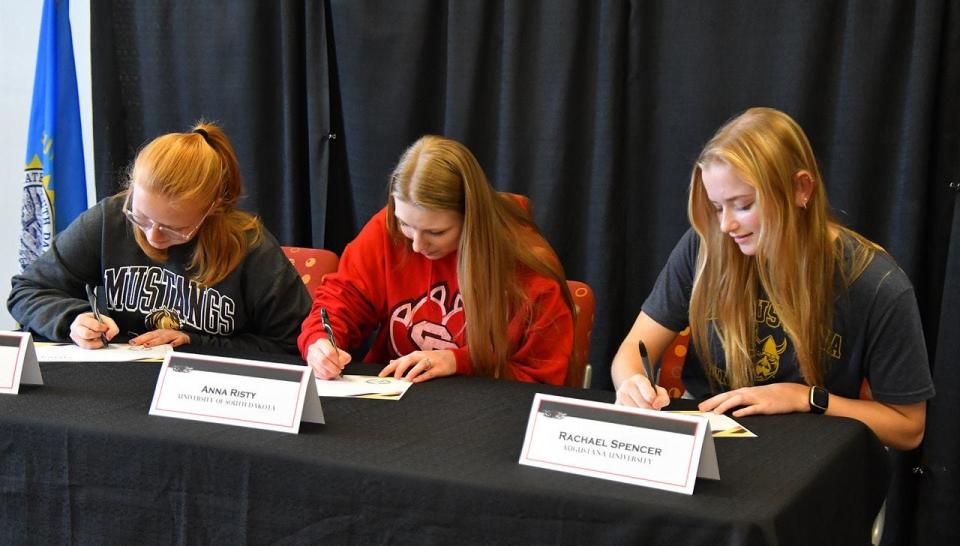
(19, 35)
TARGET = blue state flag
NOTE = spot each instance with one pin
(55, 189)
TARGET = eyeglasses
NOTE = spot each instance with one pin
(146, 224)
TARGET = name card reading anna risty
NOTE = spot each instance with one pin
(234, 391)
(642, 447)
(18, 362)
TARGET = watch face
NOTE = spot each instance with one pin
(819, 398)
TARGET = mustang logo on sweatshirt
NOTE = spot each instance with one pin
(150, 289)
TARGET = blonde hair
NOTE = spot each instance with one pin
(796, 257)
(200, 167)
(498, 234)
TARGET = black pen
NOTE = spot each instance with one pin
(656, 372)
(329, 330)
(92, 298)
(652, 375)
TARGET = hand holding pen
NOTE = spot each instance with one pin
(641, 390)
(92, 330)
(326, 359)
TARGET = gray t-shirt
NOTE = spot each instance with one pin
(876, 334)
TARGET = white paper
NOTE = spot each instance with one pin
(363, 386)
(722, 426)
(114, 352)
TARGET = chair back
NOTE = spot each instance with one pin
(312, 264)
(586, 306)
(671, 364)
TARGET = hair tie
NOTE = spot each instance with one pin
(202, 132)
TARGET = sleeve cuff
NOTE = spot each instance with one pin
(464, 366)
(310, 341)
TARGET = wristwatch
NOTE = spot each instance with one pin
(819, 399)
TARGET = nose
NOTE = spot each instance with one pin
(418, 243)
(727, 223)
(155, 237)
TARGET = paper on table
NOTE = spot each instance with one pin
(363, 386)
(723, 426)
(115, 352)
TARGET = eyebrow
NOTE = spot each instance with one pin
(444, 228)
(734, 198)
(139, 213)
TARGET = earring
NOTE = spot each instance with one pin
(804, 205)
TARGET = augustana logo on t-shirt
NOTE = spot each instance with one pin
(147, 289)
(771, 347)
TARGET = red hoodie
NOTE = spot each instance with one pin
(417, 303)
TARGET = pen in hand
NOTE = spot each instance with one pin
(92, 298)
(329, 330)
(653, 374)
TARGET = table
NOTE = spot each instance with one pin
(82, 462)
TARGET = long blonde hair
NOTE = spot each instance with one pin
(498, 235)
(796, 259)
(200, 167)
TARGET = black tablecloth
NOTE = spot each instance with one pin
(82, 462)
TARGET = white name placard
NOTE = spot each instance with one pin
(234, 391)
(18, 362)
(643, 447)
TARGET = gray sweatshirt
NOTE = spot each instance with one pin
(259, 306)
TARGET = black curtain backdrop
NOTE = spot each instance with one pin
(594, 109)
(259, 69)
(939, 484)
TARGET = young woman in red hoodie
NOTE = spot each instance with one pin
(456, 276)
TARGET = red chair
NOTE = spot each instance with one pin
(586, 306)
(671, 364)
(312, 264)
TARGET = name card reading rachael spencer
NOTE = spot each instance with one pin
(642, 447)
(234, 391)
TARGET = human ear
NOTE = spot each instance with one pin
(803, 188)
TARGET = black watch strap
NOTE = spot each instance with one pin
(819, 399)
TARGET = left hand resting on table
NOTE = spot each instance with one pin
(422, 366)
(761, 400)
(158, 337)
